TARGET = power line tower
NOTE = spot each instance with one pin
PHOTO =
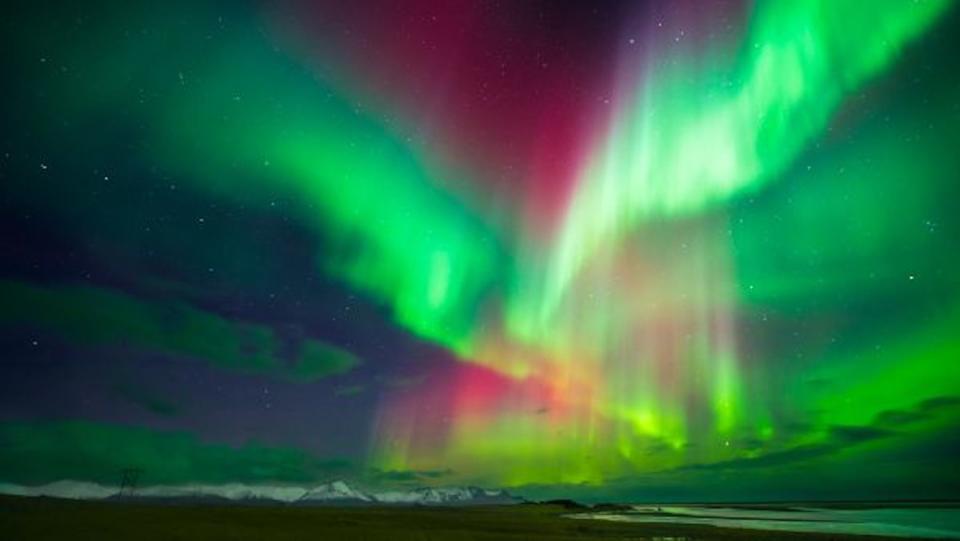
(128, 483)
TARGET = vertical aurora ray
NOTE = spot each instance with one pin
(637, 300)
(690, 137)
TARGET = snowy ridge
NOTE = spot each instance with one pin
(74, 490)
(232, 491)
(445, 495)
(336, 492)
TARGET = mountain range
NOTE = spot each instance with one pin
(332, 493)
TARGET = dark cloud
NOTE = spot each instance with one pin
(838, 438)
(800, 453)
(924, 411)
(852, 435)
(35, 453)
(894, 418)
(97, 316)
(940, 403)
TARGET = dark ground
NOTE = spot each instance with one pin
(65, 520)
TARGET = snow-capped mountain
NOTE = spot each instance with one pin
(335, 492)
(231, 491)
(445, 496)
(341, 492)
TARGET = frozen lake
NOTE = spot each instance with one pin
(913, 521)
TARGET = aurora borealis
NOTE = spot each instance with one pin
(609, 249)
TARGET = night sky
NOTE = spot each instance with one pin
(605, 250)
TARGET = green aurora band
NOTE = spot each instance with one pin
(616, 345)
